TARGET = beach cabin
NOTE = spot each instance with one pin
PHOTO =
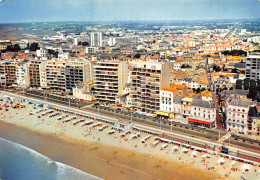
(155, 143)
(111, 131)
(164, 146)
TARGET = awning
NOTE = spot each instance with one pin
(200, 121)
(119, 104)
(45, 87)
(160, 113)
(128, 106)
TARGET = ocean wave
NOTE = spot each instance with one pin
(39, 163)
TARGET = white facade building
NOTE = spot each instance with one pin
(96, 39)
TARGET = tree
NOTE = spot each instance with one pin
(85, 43)
(239, 84)
(252, 89)
(203, 89)
(198, 90)
(217, 90)
(17, 47)
(216, 68)
(246, 84)
(231, 88)
(258, 85)
(137, 56)
(257, 97)
(34, 46)
(235, 70)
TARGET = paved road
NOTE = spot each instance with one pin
(204, 133)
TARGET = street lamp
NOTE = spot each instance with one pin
(160, 122)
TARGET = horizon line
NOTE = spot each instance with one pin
(130, 20)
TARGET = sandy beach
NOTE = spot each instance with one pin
(108, 156)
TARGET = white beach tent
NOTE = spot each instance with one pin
(206, 156)
(221, 161)
(245, 167)
(174, 148)
(194, 154)
(258, 172)
(232, 164)
(184, 150)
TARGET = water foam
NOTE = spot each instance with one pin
(64, 172)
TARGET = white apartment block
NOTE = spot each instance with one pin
(96, 39)
(253, 66)
(147, 78)
(22, 75)
(237, 116)
(166, 101)
(110, 79)
(202, 112)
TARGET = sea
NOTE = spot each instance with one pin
(18, 162)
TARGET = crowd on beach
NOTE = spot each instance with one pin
(62, 122)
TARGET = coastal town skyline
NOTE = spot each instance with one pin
(129, 89)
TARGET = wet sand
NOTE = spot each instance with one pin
(107, 162)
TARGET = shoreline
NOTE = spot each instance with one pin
(109, 158)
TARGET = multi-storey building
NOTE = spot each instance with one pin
(77, 72)
(10, 73)
(2, 74)
(96, 39)
(195, 111)
(239, 115)
(22, 75)
(55, 74)
(111, 78)
(147, 79)
(4, 44)
(34, 73)
(202, 113)
(253, 66)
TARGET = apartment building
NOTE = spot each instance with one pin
(110, 79)
(77, 72)
(22, 75)
(55, 74)
(10, 73)
(195, 111)
(253, 66)
(147, 78)
(202, 113)
(2, 74)
(241, 115)
(4, 44)
(34, 73)
(96, 39)
(167, 95)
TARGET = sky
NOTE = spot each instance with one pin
(115, 10)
